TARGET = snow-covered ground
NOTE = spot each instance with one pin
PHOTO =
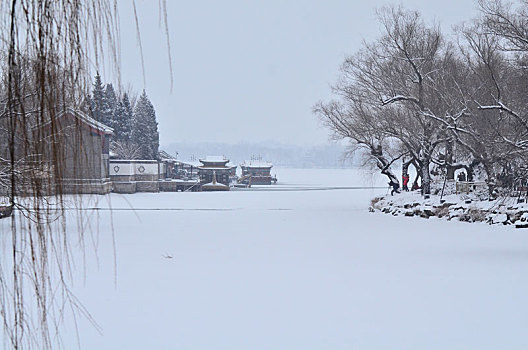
(301, 266)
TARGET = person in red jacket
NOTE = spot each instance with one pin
(405, 182)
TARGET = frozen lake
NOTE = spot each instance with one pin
(301, 266)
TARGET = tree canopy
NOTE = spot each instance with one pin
(441, 104)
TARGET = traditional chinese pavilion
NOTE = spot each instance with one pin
(214, 173)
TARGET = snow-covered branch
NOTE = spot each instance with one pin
(399, 98)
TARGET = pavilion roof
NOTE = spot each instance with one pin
(256, 164)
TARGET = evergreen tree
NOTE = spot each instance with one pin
(97, 102)
(122, 120)
(145, 127)
(117, 119)
(128, 117)
(110, 104)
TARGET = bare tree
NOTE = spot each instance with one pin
(126, 149)
(357, 123)
(402, 73)
(506, 22)
(445, 105)
(497, 130)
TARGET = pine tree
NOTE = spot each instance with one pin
(118, 122)
(110, 104)
(97, 102)
(122, 120)
(145, 127)
(128, 117)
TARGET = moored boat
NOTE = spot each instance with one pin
(257, 172)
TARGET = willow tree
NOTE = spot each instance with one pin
(48, 51)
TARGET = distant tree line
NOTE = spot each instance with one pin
(439, 102)
(134, 122)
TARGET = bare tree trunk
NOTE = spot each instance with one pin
(450, 172)
(385, 167)
(470, 172)
(405, 166)
(425, 161)
(491, 180)
(426, 176)
(416, 179)
(450, 169)
(386, 170)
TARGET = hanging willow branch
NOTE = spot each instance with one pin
(48, 49)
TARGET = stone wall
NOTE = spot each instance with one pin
(130, 176)
(85, 186)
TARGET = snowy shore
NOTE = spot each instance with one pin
(460, 207)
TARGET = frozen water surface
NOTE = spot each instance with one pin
(306, 267)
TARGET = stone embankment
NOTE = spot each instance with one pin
(505, 211)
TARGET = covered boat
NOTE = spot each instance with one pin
(257, 172)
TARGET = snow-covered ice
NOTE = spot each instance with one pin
(305, 267)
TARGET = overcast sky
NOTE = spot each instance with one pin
(252, 70)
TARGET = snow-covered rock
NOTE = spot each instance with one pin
(466, 208)
(499, 218)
